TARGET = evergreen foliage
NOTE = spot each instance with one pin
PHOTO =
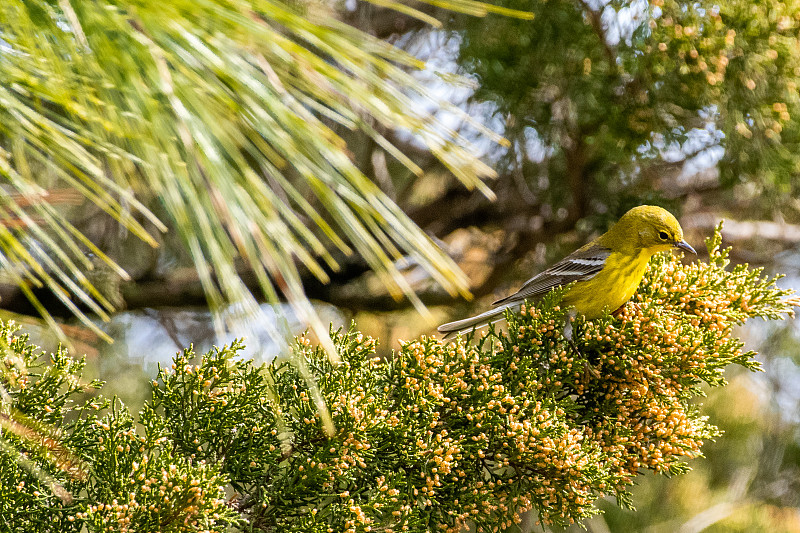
(436, 437)
(607, 86)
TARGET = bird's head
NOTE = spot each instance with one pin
(653, 229)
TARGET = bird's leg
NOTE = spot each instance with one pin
(618, 312)
(569, 331)
(588, 368)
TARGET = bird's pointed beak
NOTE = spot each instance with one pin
(683, 245)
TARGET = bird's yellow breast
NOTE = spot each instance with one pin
(611, 287)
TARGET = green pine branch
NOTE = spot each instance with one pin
(539, 416)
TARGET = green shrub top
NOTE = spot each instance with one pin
(550, 414)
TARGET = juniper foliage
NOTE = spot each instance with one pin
(437, 437)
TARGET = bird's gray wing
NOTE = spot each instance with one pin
(581, 265)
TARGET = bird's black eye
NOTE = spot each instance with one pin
(663, 235)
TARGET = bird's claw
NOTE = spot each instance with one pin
(589, 369)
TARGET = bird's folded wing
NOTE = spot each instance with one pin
(581, 265)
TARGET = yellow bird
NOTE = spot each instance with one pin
(606, 272)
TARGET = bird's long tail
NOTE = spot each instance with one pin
(451, 329)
